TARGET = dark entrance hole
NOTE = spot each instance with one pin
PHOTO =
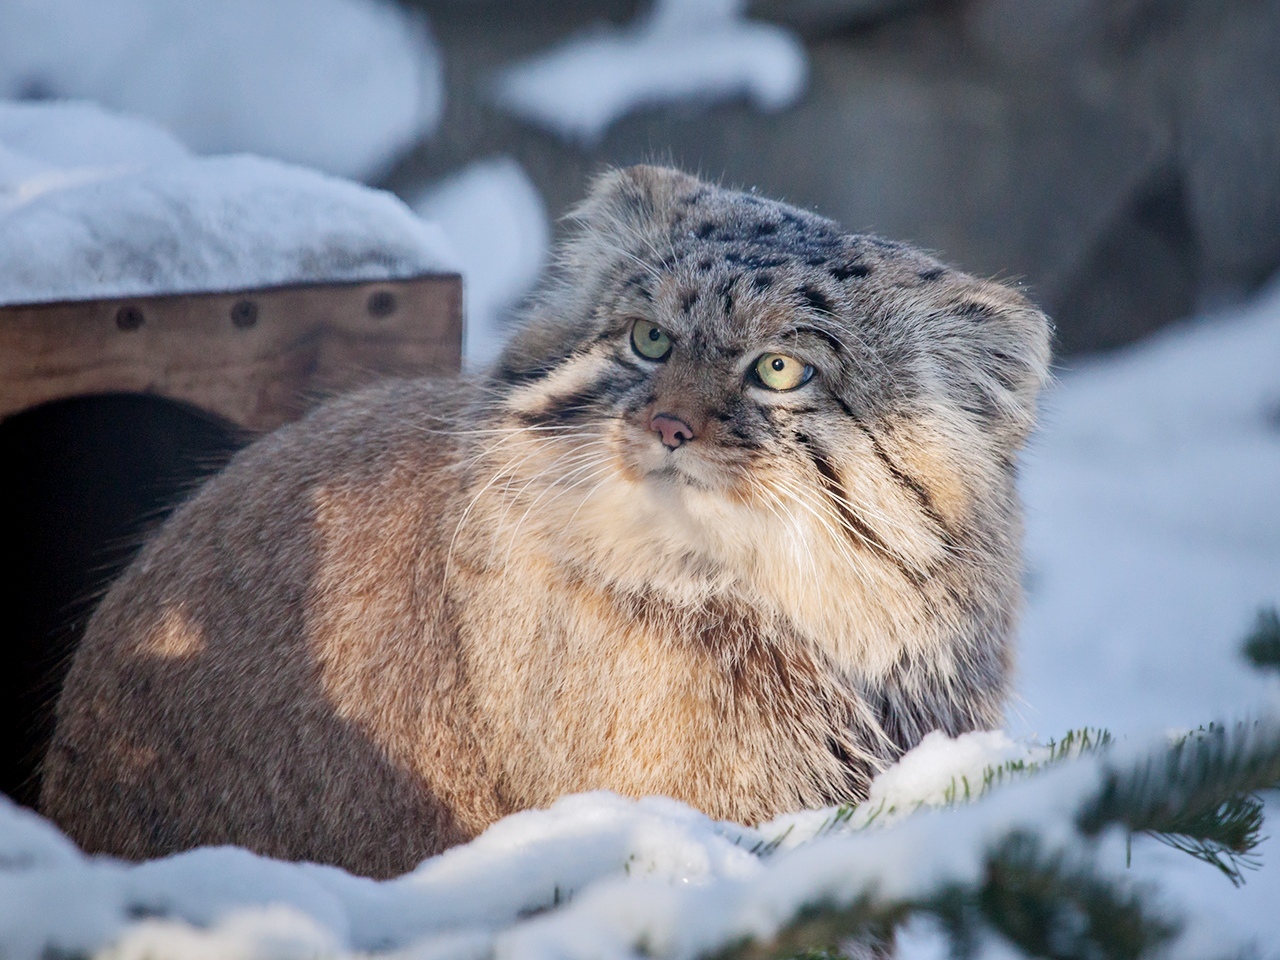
(82, 481)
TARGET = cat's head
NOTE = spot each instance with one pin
(714, 386)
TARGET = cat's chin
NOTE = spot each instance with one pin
(680, 475)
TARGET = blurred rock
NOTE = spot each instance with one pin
(1049, 36)
(821, 16)
(1136, 275)
(1228, 123)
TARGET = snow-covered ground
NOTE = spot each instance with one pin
(340, 85)
(680, 50)
(1153, 502)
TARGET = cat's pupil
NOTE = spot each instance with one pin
(778, 363)
(654, 334)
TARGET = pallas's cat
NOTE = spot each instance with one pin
(732, 519)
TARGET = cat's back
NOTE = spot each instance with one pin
(251, 676)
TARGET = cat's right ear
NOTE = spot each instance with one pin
(629, 200)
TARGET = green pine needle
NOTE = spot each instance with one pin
(1262, 646)
(1050, 908)
(1198, 796)
(1223, 838)
(1043, 905)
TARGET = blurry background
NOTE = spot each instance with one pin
(1120, 157)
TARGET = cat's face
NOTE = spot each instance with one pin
(728, 387)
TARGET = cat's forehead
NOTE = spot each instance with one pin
(742, 268)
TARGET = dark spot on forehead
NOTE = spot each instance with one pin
(706, 230)
(933, 273)
(754, 261)
(726, 294)
(843, 271)
(639, 283)
(814, 299)
(705, 264)
(764, 229)
(975, 311)
(688, 299)
(762, 281)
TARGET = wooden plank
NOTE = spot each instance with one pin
(258, 358)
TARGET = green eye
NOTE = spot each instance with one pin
(650, 340)
(777, 371)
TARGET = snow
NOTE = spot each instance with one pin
(96, 205)
(1154, 529)
(497, 223)
(341, 85)
(929, 774)
(683, 50)
(1153, 538)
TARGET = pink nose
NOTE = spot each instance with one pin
(673, 430)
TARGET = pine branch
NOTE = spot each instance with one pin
(1223, 839)
(1050, 908)
(1040, 903)
(1262, 646)
(819, 928)
(860, 816)
(1198, 796)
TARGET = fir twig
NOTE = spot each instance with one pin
(1198, 796)
(1039, 903)
(1050, 908)
(1223, 838)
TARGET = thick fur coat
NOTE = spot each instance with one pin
(746, 572)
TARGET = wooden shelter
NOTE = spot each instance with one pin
(112, 409)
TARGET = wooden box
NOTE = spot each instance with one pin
(112, 410)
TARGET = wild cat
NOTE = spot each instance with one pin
(732, 519)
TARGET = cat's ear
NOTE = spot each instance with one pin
(997, 347)
(622, 202)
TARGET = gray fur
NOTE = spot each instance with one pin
(426, 606)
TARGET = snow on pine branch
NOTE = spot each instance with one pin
(600, 876)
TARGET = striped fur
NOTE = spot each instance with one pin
(428, 605)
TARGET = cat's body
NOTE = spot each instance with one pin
(732, 520)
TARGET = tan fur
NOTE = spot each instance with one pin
(428, 605)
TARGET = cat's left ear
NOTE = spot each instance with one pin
(630, 199)
(996, 347)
